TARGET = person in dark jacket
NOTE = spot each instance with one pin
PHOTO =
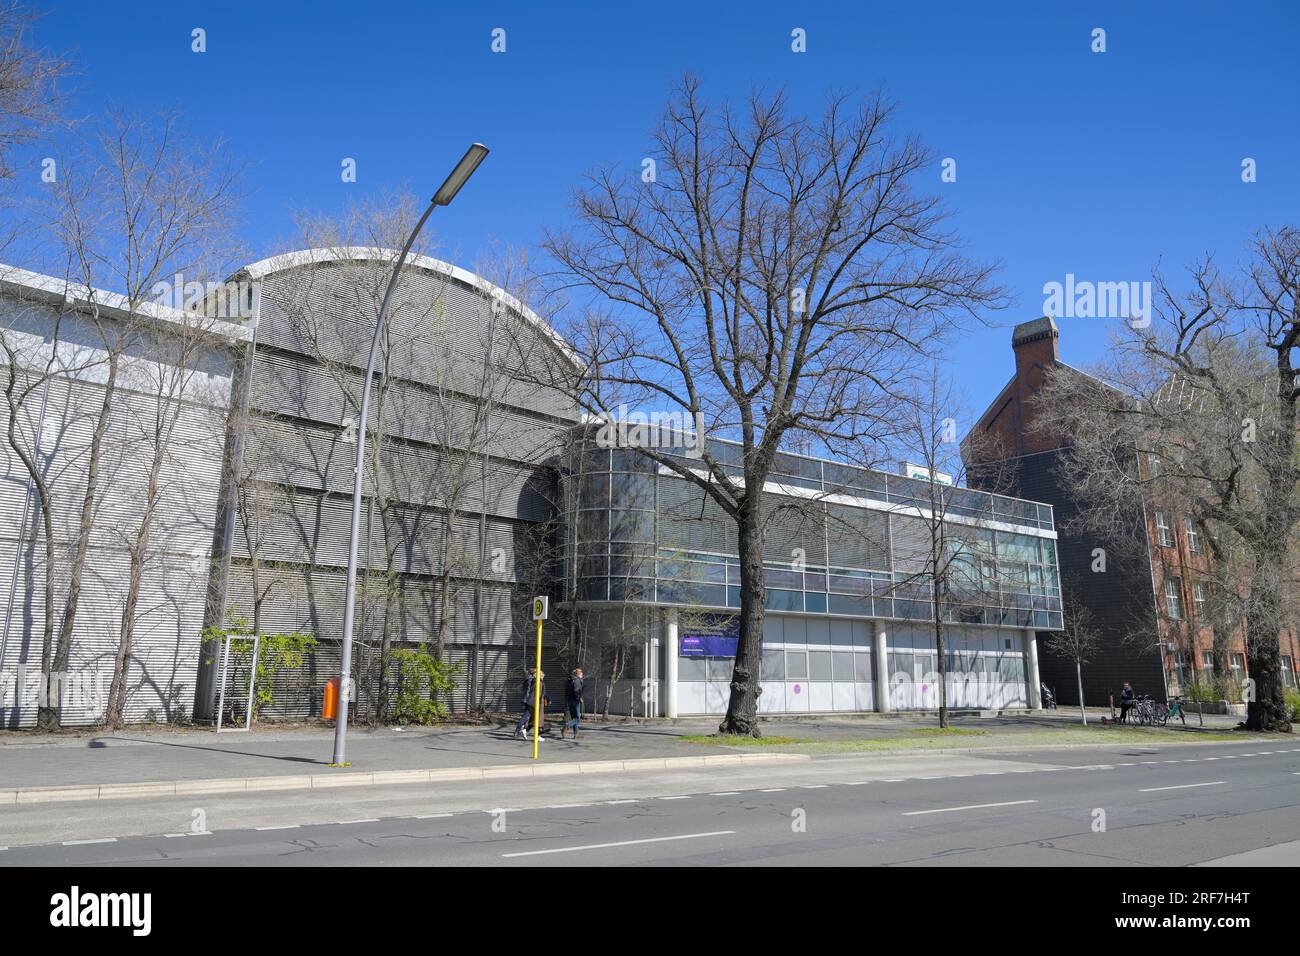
(573, 702)
(1126, 701)
(530, 689)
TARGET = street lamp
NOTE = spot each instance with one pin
(445, 194)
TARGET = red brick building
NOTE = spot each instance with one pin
(1164, 579)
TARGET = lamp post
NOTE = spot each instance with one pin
(445, 194)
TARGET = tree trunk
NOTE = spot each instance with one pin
(742, 708)
(88, 502)
(113, 714)
(615, 671)
(942, 657)
(1078, 672)
(1267, 711)
(47, 708)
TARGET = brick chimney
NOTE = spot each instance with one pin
(1037, 347)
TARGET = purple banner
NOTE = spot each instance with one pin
(710, 638)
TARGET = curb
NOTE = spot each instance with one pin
(1023, 748)
(132, 791)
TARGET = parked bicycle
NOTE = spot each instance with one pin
(1146, 711)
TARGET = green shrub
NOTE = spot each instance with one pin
(422, 685)
(1292, 697)
(275, 652)
(1203, 691)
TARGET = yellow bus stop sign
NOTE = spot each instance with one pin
(540, 608)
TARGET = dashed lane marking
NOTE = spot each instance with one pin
(602, 846)
(972, 806)
(1184, 786)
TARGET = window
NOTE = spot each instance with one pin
(1193, 536)
(1173, 598)
(1181, 670)
(1154, 468)
(1238, 664)
(1288, 673)
(1164, 533)
(1207, 660)
(1198, 598)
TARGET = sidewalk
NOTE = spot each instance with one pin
(149, 762)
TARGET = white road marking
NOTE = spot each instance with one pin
(615, 803)
(88, 842)
(814, 786)
(773, 790)
(972, 806)
(284, 826)
(431, 816)
(564, 806)
(856, 783)
(896, 780)
(724, 793)
(344, 823)
(602, 846)
(1184, 786)
(675, 798)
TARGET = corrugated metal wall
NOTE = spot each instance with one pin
(56, 424)
(312, 341)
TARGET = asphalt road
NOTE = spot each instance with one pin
(1109, 807)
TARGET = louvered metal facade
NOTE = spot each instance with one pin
(459, 497)
(169, 403)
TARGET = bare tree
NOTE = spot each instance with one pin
(136, 204)
(1078, 641)
(952, 563)
(29, 97)
(180, 411)
(1209, 392)
(445, 403)
(38, 342)
(772, 274)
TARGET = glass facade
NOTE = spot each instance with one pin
(840, 541)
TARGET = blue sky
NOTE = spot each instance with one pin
(1068, 161)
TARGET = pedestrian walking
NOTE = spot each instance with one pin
(573, 702)
(529, 700)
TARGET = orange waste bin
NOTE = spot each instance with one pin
(330, 707)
